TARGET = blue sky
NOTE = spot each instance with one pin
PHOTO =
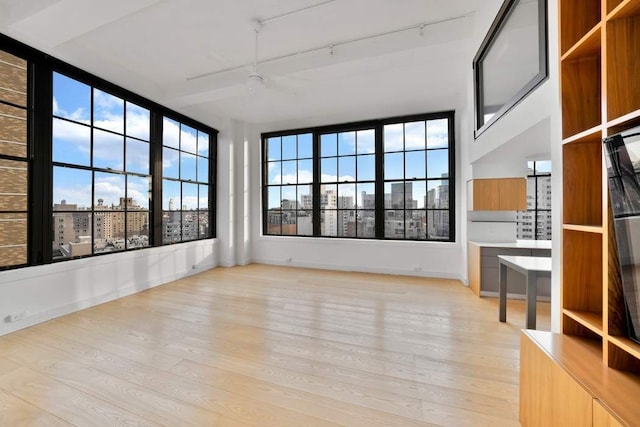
(72, 144)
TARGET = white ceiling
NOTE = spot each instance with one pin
(176, 52)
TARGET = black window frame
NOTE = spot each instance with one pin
(535, 176)
(41, 67)
(378, 126)
(480, 125)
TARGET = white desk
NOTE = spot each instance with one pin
(530, 266)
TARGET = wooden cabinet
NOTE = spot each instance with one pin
(498, 194)
(600, 96)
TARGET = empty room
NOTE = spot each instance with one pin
(319, 212)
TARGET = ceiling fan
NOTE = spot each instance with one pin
(255, 80)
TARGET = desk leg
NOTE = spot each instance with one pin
(502, 277)
(532, 293)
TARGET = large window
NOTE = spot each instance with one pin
(14, 164)
(86, 166)
(101, 176)
(383, 179)
(185, 182)
(289, 169)
(535, 222)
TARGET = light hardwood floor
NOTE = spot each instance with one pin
(262, 345)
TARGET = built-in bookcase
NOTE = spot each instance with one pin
(600, 91)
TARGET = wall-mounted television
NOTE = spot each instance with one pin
(622, 153)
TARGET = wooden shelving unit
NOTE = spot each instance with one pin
(600, 96)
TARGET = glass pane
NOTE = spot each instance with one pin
(367, 224)
(71, 189)
(13, 186)
(366, 197)
(138, 192)
(275, 170)
(544, 225)
(347, 223)
(289, 172)
(203, 144)
(71, 99)
(274, 225)
(543, 167)
(415, 164)
(13, 239)
(438, 225)
(329, 170)
(171, 226)
(438, 194)
(544, 192)
(109, 191)
(289, 147)
(438, 133)
(137, 156)
(170, 133)
(72, 233)
(366, 167)
(108, 150)
(438, 164)
(347, 168)
(329, 145)
(329, 196)
(346, 143)
(274, 198)
(394, 194)
(203, 169)
(328, 223)
(189, 196)
(13, 74)
(305, 146)
(526, 225)
(531, 192)
(71, 143)
(108, 111)
(190, 225)
(188, 141)
(394, 224)
(289, 221)
(170, 163)
(305, 197)
(203, 225)
(13, 130)
(346, 196)
(289, 197)
(305, 223)
(366, 141)
(394, 166)
(393, 139)
(414, 138)
(531, 168)
(415, 225)
(109, 232)
(273, 148)
(187, 166)
(137, 229)
(415, 194)
(138, 121)
(203, 198)
(171, 195)
(305, 171)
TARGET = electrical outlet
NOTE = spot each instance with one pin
(14, 317)
(288, 259)
(416, 267)
(194, 267)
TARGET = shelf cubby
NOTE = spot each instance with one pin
(588, 45)
(622, 8)
(585, 14)
(581, 94)
(624, 354)
(589, 320)
(623, 66)
(623, 123)
(582, 182)
(582, 271)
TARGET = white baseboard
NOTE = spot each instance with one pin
(512, 296)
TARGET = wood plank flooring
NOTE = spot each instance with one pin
(271, 346)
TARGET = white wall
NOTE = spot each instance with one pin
(48, 291)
